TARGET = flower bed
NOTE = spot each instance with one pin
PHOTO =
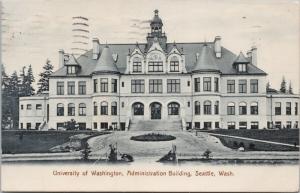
(153, 137)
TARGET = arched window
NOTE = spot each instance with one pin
(173, 108)
(138, 109)
(137, 64)
(197, 108)
(82, 109)
(254, 108)
(242, 108)
(174, 64)
(95, 108)
(60, 109)
(104, 108)
(216, 108)
(71, 109)
(207, 107)
(230, 109)
(114, 108)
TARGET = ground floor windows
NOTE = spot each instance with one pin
(95, 125)
(82, 109)
(71, 109)
(243, 125)
(60, 126)
(231, 125)
(81, 126)
(138, 109)
(278, 124)
(95, 108)
(197, 108)
(104, 108)
(254, 108)
(242, 108)
(37, 125)
(289, 124)
(104, 125)
(230, 109)
(28, 125)
(254, 125)
(114, 108)
(207, 125)
(217, 125)
(173, 109)
(21, 125)
(114, 125)
(197, 125)
(207, 108)
(60, 109)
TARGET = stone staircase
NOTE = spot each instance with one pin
(155, 125)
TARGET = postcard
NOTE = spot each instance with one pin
(150, 96)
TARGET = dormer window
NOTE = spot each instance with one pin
(242, 67)
(71, 69)
(174, 64)
(137, 65)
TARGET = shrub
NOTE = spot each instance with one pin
(153, 137)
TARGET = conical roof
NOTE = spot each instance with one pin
(206, 60)
(241, 59)
(106, 62)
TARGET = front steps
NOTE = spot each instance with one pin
(155, 125)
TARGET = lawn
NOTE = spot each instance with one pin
(36, 141)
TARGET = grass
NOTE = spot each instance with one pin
(153, 137)
(37, 141)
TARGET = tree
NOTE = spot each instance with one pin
(13, 100)
(44, 77)
(290, 88)
(29, 90)
(283, 85)
(5, 120)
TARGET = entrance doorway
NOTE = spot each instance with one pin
(155, 110)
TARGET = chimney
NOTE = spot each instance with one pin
(61, 61)
(217, 46)
(96, 48)
(249, 54)
(254, 55)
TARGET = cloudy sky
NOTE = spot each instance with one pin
(34, 30)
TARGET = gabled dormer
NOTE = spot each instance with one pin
(241, 63)
(175, 60)
(156, 59)
(71, 63)
(136, 61)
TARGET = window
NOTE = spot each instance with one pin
(173, 85)
(254, 125)
(289, 124)
(95, 85)
(137, 65)
(217, 125)
(114, 108)
(242, 86)
(230, 109)
(82, 87)
(207, 125)
(197, 84)
(231, 125)
(242, 68)
(207, 84)
(288, 109)
(22, 107)
(296, 108)
(207, 108)
(82, 126)
(137, 86)
(103, 85)
(174, 64)
(242, 108)
(104, 125)
(60, 88)
(95, 108)
(254, 86)
(278, 124)
(138, 109)
(21, 126)
(38, 106)
(155, 66)
(197, 108)
(254, 108)
(243, 125)
(296, 124)
(278, 108)
(173, 109)
(104, 108)
(37, 125)
(28, 125)
(188, 83)
(123, 104)
(82, 109)
(28, 107)
(71, 88)
(188, 104)
(95, 125)
(60, 126)
(230, 86)
(71, 70)
(71, 109)
(197, 125)
(155, 86)
(123, 84)
(60, 111)
(114, 85)
(216, 108)
(114, 125)
(216, 84)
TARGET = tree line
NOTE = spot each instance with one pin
(283, 87)
(19, 85)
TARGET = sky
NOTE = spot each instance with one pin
(34, 30)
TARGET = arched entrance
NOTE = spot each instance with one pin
(155, 110)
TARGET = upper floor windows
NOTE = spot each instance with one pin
(104, 108)
(137, 65)
(242, 67)
(243, 86)
(254, 108)
(103, 85)
(60, 109)
(207, 84)
(137, 86)
(71, 69)
(82, 109)
(242, 108)
(155, 86)
(71, 109)
(71, 88)
(197, 84)
(230, 109)
(230, 86)
(173, 108)
(82, 87)
(38, 106)
(114, 85)
(254, 86)
(156, 66)
(197, 108)
(173, 85)
(174, 64)
(278, 108)
(95, 85)
(296, 108)
(207, 108)
(288, 108)
(29, 106)
(216, 84)
(114, 108)
(60, 88)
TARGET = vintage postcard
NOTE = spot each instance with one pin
(140, 95)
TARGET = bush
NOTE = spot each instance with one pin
(153, 137)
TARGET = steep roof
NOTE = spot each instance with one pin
(206, 60)
(105, 62)
(241, 59)
(72, 60)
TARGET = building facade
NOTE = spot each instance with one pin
(201, 84)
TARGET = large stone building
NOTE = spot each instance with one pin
(187, 85)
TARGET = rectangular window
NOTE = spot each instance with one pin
(82, 126)
(137, 66)
(95, 125)
(28, 107)
(71, 88)
(122, 84)
(95, 109)
(103, 85)
(289, 124)
(242, 86)
(114, 125)
(174, 66)
(207, 84)
(114, 110)
(71, 70)
(207, 125)
(188, 83)
(60, 88)
(296, 108)
(254, 109)
(230, 110)
(217, 125)
(60, 126)
(231, 125)
(22, 107)
(230, 86)
(278, 108)
(254, 125)
(95, 85)
(243, 125)
(188, 104)
(28, 125)
(242, 110)
(82, 87)
(197, 84)
(197, 125)
(114, 85)
(155, 67)
(155, 86)
(137, 86)
(38, 106)
(104, 110)
(21, 126)
(104, 125)
(242, 68)
(216, 84)
(278, 124)
(37, 125)
(173, 85)
(254, 86)
(288, 109)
